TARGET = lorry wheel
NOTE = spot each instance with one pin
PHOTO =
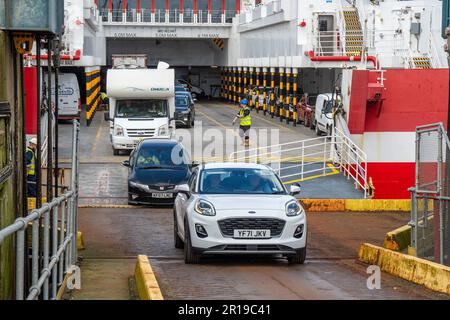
(116, 152)
(330, 131)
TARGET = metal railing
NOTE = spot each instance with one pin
(304, 158)
(430, 197)
(146, 16)
(55, 253)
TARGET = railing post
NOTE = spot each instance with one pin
(61, 241)
(439, 189)
(303, 160)
(54, 270)
(46, 251)
(20, 262)
(324, 156)
(414, 221)
(35, 252)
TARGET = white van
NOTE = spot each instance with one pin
(69, 106)
(141, 105)
(324, 114)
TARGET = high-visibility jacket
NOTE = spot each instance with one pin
(245, 120)
(31, 167)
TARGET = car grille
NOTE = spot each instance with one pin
(275, 226)
(162, 188)
(141, 133)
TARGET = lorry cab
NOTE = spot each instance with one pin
(324, 114)
(141, 106)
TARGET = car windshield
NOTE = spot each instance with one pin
(155, 156)
(141, 109)
(181, 102)
(240, 181)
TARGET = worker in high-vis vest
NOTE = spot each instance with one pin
(245, 121)
(31, 167)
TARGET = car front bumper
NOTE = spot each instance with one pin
(145, 197)
(124, 143)
(182, 118)
(217, 243)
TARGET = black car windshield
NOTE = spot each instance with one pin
(141, 108)
(181, 102)
(240, 181)
(161, 156)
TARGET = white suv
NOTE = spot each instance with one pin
(238, 208)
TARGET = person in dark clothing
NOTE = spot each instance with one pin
(31, 167)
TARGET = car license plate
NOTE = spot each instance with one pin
(251, 234)
(162, 195)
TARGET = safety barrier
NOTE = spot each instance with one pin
(304, 158)
(430, 197)
(188, 16)
(55, 254)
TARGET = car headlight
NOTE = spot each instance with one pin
(138, 185)
(118, 130)
(163, 130)
(293, 208)
(205, 208)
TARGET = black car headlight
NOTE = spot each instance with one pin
(138, 185)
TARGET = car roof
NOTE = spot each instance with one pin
(158, 142)
(234, 165)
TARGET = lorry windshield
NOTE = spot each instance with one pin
(141, 109)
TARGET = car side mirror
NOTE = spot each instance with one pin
(126, 163)
(295, 189)
(195, 164)
(106, 116)
(184, 189)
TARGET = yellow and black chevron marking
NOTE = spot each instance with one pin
(93, 86)
(219, 43)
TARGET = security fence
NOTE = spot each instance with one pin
(46, 241)
(430, 198)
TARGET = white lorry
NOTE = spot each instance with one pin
(324, 113)
(141, 105)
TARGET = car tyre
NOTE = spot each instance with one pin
(190, 257)
(299, 257)
(179, 244)
(330, 131)
(189, 123)
(116, 152)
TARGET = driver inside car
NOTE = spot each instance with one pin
(257, 184)
(213, 184)
(147, 158)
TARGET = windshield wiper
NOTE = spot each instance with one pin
(152, 167)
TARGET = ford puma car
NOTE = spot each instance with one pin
(238, 208)
(156, 167)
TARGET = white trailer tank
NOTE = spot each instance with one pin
(141, 105)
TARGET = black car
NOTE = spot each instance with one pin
(181, 88)
(156, 167)
(184, 110)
